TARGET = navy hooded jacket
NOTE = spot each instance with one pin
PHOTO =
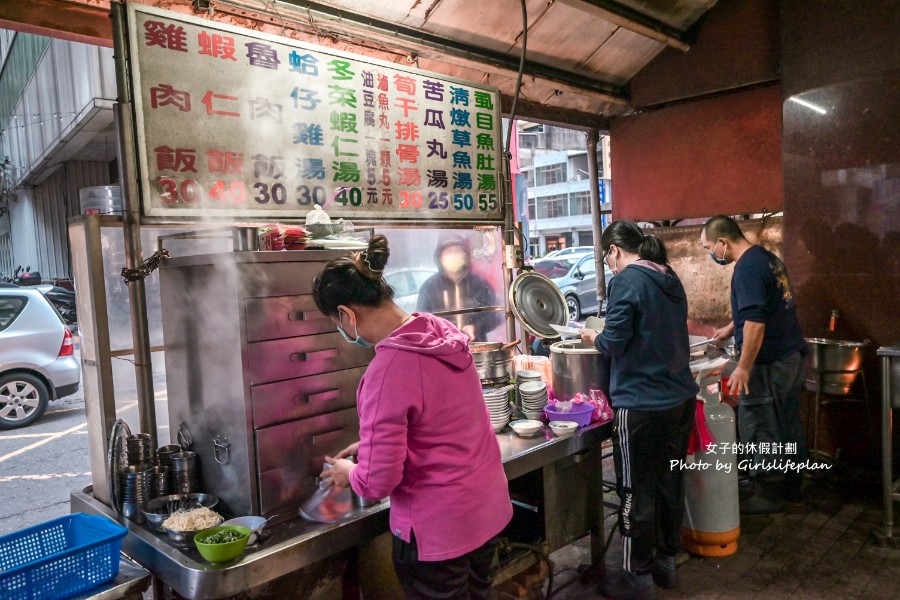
(646, 336)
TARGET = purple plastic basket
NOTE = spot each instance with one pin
(580, 413)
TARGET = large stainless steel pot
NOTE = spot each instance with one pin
(578, 367)
(493, 364)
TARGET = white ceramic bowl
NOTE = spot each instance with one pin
(250, 523)
(526, 427)
(532, 388)
(563, 428)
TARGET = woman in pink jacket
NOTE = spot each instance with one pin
(425, 434)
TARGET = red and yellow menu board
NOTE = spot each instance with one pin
(236, 123)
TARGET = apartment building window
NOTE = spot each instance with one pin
(580, 203)
(552, 206)
(531, 209)
(550, 174)
(529, 178)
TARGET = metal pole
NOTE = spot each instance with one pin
(887, 477)
(509, 242)
(593, 138)
(131, 215)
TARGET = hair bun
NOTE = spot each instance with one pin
(372, 260)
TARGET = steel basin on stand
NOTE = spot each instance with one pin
(836, 363)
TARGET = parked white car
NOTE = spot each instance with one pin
(37, 362)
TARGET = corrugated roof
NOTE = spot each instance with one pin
(581, 53)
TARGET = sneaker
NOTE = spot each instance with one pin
(760, 505)
(629, 587)
(746, 488)
(664, 573)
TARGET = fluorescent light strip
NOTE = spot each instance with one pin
(808, 105)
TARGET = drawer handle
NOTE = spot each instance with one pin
(327, 437)
(302, 315)
(317, 355)
(319, 397)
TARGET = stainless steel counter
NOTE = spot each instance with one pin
(297, 543)
(131, 582)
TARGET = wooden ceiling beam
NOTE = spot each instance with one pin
(553, 115)
(66, 19)
(633, 20)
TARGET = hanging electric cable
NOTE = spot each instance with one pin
(515, 99)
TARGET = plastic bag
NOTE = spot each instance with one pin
(602, 410)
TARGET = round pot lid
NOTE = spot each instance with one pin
(537, 302)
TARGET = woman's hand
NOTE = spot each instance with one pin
(339, 471)
(588, 336)
(351, 450)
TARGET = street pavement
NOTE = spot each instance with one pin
(41, 464)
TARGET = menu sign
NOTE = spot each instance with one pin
(237, 123)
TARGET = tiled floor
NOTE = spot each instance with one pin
(823, 553)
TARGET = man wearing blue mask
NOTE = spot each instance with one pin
(771, 368)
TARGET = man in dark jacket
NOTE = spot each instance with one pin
(456, 287)
(772, 365)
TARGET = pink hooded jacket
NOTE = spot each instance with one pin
(426, 441)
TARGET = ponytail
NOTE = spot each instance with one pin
(653, 249)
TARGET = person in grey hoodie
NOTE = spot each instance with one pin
(654, 398)
(456, 287)
(425, 436)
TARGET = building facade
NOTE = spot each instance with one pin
(57, 136)
(555, 163)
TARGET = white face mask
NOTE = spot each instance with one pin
(453, 261)
(614, 268)
(358, 340)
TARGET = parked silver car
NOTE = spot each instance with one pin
(576, 277)
(37, 362)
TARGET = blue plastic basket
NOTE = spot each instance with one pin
(59, 558)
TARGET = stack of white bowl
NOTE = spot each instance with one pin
(533, 395)
(497, 400)
(524, 376)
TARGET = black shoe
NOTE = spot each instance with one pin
(664, 573)
(629, 587)
(761, 505)
(746, 488)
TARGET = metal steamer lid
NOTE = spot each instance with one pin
(537, 302)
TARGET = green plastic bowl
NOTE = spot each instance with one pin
(220, 553)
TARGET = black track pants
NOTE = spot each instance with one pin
(651, 493)
(467, 577)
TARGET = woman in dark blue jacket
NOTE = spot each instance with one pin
(654, 395)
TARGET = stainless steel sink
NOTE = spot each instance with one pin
(836, 363)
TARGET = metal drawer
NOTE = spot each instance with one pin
(263, 280)
(283, 490)
(292, 443)
(277, 360)
(284, 317)
(304, 397)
